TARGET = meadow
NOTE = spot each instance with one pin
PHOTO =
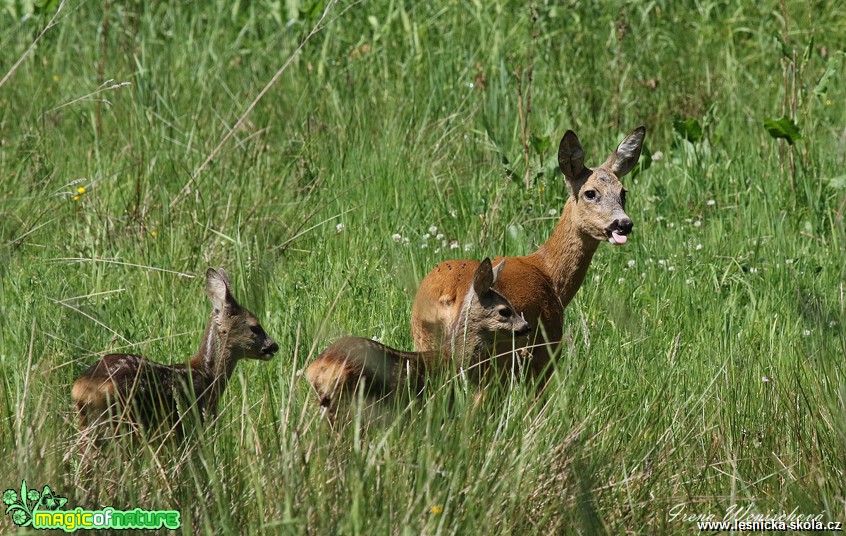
(705, 360)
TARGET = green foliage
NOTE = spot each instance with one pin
(784, 128)
(688, 129)
(703, 362)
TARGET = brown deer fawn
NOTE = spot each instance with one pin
(129, 388)
(485, 317)
(541, 285)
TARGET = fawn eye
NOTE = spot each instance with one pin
(590, 195)
(256, 329)
(505, 312)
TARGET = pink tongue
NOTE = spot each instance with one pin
(618, 238)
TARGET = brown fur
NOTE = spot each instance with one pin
(540, 285)
(383, 371)
(129, 388)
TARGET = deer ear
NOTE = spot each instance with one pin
(497, 270)
(571, 160)
(625, 158)
(483, 279)
(218, 289)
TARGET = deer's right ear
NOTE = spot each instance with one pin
(571, 156)
(483, 279)
(217, 288)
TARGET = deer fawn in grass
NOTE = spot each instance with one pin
(540, 285)
(130, 388)
(484, 317)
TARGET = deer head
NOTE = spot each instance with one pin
(238, 328)
(599, 196)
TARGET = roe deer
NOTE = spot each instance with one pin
(148, 394)
(540, 285)
(485, 316)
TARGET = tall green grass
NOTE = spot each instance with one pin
(705, 359)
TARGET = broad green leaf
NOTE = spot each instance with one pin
(689, 129)
(540, 143)
(783, 128)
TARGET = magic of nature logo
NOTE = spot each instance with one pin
(46, 510)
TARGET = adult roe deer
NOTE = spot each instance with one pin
(485, 317)
(130, 388)
(541, 285)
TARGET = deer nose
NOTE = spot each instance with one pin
(625, 225)
(524, 330)
(272, 349)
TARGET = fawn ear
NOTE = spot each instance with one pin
(571, 160)
(483, 279)
(497, 270)
(625, 157)
(218, 289)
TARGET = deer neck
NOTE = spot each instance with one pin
(567, 254)
(466, 341)
(212, 366)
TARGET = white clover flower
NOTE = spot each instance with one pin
(340, 227)
(697, 223)
(426, 236)
(596, 278)
(671, 268)
(424, 245)
(631, 263)
(753, 270)
(396, 237)
(468, 247)
(440, 236)
(657, 156)
(433, 230)
(553, 211)
(453, 244)
(621, 280)
(662, 262)
(806, 332)
(688, 281)
(698, 247)
(710, 202)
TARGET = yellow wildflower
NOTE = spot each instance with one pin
(76, 198)
(436, 510)
(80, 190)
(56, 78)
(154, 234)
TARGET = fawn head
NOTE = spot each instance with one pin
(490, 313)
(236, 324)
(600, 198)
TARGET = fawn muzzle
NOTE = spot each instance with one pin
(268, 350)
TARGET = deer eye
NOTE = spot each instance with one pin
(505, 312)
(590, 195)
(256, 329)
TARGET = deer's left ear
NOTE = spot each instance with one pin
(625, 157)
(497, 270)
